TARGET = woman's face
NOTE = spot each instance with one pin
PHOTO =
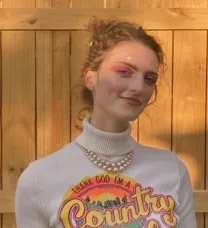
(125, 81)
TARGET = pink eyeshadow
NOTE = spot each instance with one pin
(121, 68)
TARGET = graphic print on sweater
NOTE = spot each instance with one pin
(108, 200)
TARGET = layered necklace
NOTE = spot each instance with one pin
(111, 167)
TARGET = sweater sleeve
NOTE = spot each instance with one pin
(186, 205)
(28, 210)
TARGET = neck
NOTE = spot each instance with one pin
(108, 123)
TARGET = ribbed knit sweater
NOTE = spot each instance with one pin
(65, 189)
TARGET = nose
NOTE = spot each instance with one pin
(137, 84)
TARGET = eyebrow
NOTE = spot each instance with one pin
(136, 69)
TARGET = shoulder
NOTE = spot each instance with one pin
(49, 163)
(55, 158)
(157, 154)
(161, 159)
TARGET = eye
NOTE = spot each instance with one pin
(125, 73)
(122, 71)
(150, 79)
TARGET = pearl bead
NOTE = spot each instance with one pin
(106, 165)
(109, 169)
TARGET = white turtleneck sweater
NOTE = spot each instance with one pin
(65, 189)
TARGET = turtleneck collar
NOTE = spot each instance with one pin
(105, 143)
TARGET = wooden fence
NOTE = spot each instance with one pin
(41, 55)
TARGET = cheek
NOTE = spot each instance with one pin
(149, 93)
(111, 85)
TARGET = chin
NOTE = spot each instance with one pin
(127, 117)
(131, 118)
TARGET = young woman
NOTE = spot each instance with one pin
(105, 178)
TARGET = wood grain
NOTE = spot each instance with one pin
(53, 92)
(18, 103)
(1, 124)
(189, 87)
(83, 4)
(79, 46)
(76, 19)
(79, 41)
(155, 121)
(18, 107)
(18, 4)
(157, 3)
(44, 4)
(206, 180)
(53, 103)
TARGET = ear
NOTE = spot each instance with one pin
(90, 79)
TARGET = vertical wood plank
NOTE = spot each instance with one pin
(124, 4)
(189, 4)
(18, 103)
(18, 107)
(61, 3)
(79, 44)
(53, 92)
(44, 4)
(61, 82)
(189, 86)
(79, 41)
(1, 173)
(129, 5)
(155, 121)
(206, 162)
(82, 4)
(44, 89)
(156, 4)
(18, 4)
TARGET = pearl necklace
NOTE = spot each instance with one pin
(111, 167)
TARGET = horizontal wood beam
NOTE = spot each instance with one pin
(77, 19)
(7, 201)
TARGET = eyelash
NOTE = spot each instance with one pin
(151, 80)
(125, 73)
(128, 73)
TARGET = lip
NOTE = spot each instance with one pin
(131, 101)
